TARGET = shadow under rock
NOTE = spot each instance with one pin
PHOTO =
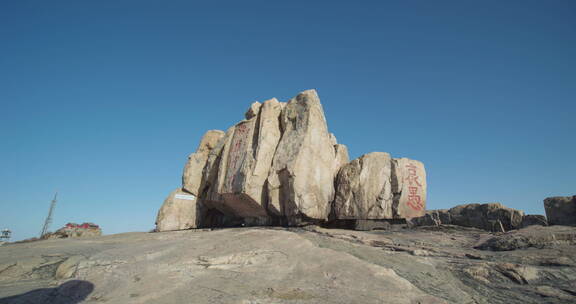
(71, 292)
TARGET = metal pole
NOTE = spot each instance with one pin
(49, 218)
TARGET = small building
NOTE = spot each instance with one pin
(5, 235)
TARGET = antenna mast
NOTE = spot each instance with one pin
(49, 218)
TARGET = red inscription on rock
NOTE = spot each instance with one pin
(414, 199)
(237, 153)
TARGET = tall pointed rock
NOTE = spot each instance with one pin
(301, 181)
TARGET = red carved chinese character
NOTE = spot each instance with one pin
(410, 166)
(415, 202)
(413, 180)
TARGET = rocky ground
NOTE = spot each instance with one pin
(446, 264)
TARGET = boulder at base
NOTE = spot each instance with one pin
(363, 188)
(180, 211)
(561, 210)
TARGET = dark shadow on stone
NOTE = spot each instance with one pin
(71, 292)
(362, 225)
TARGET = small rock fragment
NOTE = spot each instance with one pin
(253, 110)
(68, 268)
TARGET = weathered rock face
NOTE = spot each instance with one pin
(487, 216)
(341, 152)
(192, 177)
(180, 211)
(409, 188)
(376, 186)
(535, 237)
(278, 166)
(490, 217)
(246, 160)
(235, 170)
(534, 219)
(342, 157)
(253, 110)
(432, 218)
(209, 185)
(364, 189)
(561, 210)
(301, 181)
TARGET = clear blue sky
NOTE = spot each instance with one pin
(104, 100)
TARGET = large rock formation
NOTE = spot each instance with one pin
(561, 210)
(278, 166)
